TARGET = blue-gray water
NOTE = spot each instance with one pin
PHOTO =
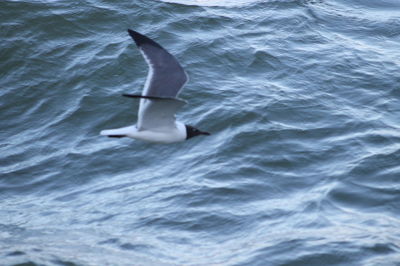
(302, 168)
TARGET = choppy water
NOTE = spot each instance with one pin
(302, 98)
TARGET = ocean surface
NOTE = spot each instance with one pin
(302, 98)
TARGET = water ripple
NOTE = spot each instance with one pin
(301, 98)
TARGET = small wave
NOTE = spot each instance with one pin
(223, 3)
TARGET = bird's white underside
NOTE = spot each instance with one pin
(157, 136)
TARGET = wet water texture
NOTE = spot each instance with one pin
(302, 168)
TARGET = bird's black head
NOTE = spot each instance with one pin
(193, 132)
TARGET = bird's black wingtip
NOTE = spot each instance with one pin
(132, 32)
(137, 37)
(140, 39)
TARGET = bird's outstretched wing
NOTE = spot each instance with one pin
(166, 76)
(158, 103)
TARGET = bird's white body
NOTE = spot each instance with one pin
(157, 136)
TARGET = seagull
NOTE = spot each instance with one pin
(158, 102)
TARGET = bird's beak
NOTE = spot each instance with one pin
(205, 133)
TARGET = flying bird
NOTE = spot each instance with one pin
(158, 102)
